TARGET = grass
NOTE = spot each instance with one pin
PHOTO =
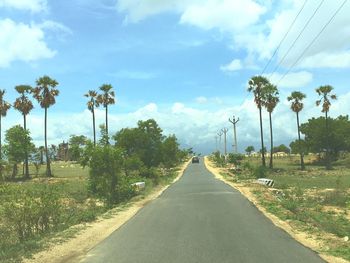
(69, 184)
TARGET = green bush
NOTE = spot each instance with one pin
(235, 158)
(105, 172)
(151, 173)
(260, 172)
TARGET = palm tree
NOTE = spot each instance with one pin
(297, 106)
(45, 93)
(256, 85)
(92, 104)
(270, 101)
(24, 105)
(106, 98)
(4, 107)
(324, 93)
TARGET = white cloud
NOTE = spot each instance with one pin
(234, 65)
(26, 5)
(55, 26)
(291, 80)
(23, 42)
(201, 100)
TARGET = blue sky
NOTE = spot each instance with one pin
(184, 63)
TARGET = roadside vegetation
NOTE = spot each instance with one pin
(47, 189)
(315, 200)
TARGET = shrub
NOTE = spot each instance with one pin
(235, 158)
(150, 173)
(260, 172)
(105, 168)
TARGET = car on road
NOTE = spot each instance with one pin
(195, 159)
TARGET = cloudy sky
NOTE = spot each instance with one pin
(185, 63)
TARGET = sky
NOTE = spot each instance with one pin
(184, 63)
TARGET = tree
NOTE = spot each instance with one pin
(24, 105)
(92, 104)
(4, 107)
(170, 151)
(249, 150)
(297, 106)
(106, 98)
(76, 144)
(18, 145)
(281, 148)
(325, 100)
(45, 93)
(256, 85)
(270, 101)
(299, 146)
(316, 133)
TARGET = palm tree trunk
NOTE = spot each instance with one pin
(48, 166)
(262, 139)
(107, 124)
(93, 124)
(328, 161)
(26, 175)
(271, 139)
(302, 164)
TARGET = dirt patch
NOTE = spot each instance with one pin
(304, 238)
(74, 249)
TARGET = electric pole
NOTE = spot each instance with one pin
(224, 131)
(216, 143)
(219, 134)
(234, 122)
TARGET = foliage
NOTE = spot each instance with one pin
(235, 158)
(170, 152)
(299, 146)
(104, 140)
(316, 134)
(18, 143)
(281, 148)
(260, 172)
(249, 150)
(105, 172)
(76, 144)
(218, 159)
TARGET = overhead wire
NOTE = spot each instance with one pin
(313, 40)
(284, 37)
(297, 38)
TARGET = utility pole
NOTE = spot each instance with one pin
(224, 131)
(216, 143)
(219, 134)
(234, 122)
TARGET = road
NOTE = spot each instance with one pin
(200, 219)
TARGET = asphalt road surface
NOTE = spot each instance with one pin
(200, 219)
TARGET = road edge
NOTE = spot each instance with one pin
(299, 236)
(92, 233)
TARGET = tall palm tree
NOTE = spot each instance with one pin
(297, 106)
(325, 93)
(92, 104)
(106, 98)
(270, 101)
(24, 105)
(45, 93)
(4, 107)
(256, 85)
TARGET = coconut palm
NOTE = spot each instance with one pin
(24, 105)
(4, 107)
(270, 101)
(45, 93)
(325, 99)
(256, 85)
(297, 106)
(106, 98)
(92, 104)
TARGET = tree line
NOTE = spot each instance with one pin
(266, 96)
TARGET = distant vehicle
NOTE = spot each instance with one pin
(195, 159)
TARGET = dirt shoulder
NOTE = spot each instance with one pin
(312, 242)
(89, 235)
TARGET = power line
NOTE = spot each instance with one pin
(313, 41)
(294, 42)
(284, 37)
